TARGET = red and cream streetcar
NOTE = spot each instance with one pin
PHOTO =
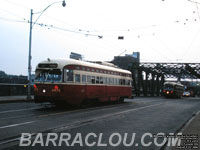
(74, 82)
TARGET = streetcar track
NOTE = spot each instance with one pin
(76, 124)
(57, 113)
(68, 112)
(17, 110)
(98, 108)
(15, 117)
(74, 111)
(84, 110)
(100, 118)
(88, 109)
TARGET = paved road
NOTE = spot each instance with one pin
(108, 126)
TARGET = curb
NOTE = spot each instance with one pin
(182, 129)
(15, 101)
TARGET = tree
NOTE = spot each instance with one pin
(2, 74)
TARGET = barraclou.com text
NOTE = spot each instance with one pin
(93, 139)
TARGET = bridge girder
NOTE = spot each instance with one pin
(174, 70)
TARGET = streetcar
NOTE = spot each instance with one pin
(173, 89)
(76, 82)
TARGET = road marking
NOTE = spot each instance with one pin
(14, 125)
(9, 111)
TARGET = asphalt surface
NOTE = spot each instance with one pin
(96, 127)
(14, 99)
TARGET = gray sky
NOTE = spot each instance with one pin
(161, 30)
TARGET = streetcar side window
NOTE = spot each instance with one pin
(101, 80)
(77, 67)
(111, 81)
(122, 81)
(93, 79)
(116, 82)
(127, 82)
(69, 75)
(104, 80)
(89, 79)
(97, 80)
(77, 78)
(84, 78)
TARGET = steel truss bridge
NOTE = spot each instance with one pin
(148, 78)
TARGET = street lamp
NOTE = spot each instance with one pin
(30, 42)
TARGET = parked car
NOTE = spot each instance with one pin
(186, 94)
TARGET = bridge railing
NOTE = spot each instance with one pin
(11, 89)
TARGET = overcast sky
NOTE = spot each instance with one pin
(161, 30)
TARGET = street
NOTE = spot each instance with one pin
(103, 125)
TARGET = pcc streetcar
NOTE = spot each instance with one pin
(75, 82)
(173, 89)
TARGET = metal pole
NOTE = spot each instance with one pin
(29, 59)
(30, 42)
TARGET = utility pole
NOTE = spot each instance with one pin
(29, 58)
(30, 42)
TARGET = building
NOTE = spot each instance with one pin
(127, 61)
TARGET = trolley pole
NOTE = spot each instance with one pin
(29, 58)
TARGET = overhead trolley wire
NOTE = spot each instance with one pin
(12, 14)
(51, 26)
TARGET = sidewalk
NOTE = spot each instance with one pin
(192, 131)
(14, 99)
(191, 135)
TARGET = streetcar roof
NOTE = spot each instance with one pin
(173, 83)
(63, 62)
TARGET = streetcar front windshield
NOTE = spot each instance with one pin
(54, 75)
(168, 87)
